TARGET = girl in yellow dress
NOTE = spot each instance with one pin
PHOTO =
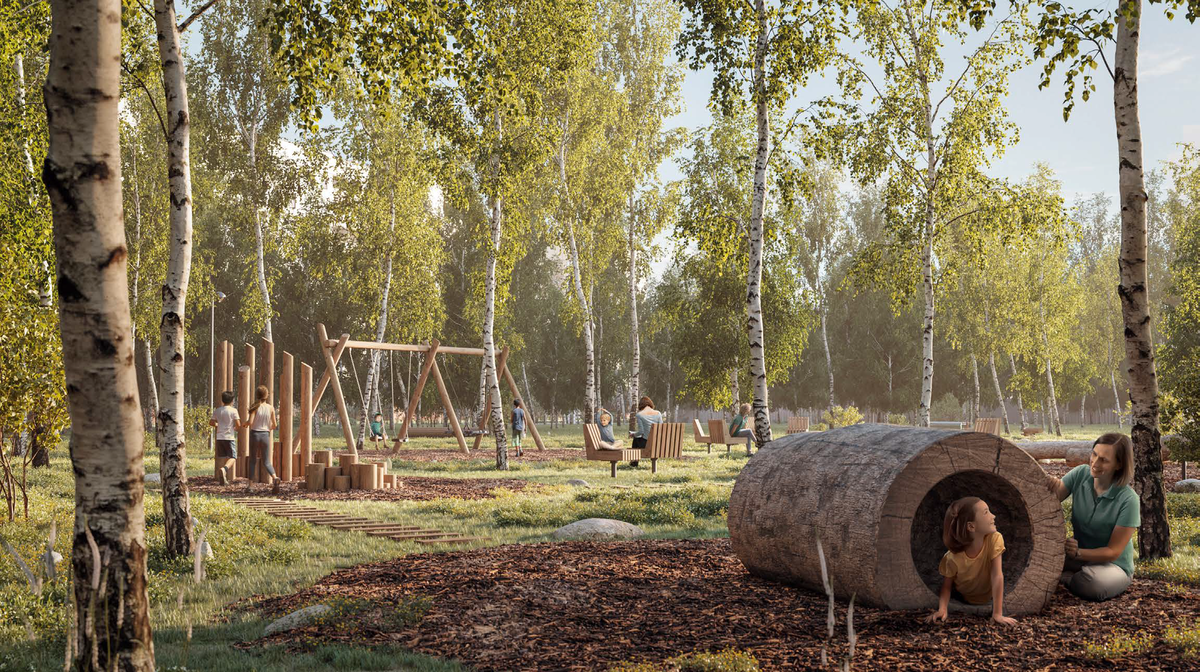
(972, 566)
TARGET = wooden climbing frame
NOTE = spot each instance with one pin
(332, 350)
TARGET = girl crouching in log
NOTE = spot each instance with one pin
(972, 566)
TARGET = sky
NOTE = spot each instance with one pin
(1081, 152)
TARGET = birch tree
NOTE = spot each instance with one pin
(930, 128)
(760, 55)
(82, 174)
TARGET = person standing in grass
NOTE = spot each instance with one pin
(226, 420)
(1105, 512)
(518, 424)
(262, 422)
(740, 428)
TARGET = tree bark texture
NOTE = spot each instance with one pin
(590, 397)
(635, 342)
(489, 315)
(372, 400)
(978, 400)
(82, 174)
(152, 392)
(1112, 376)
(999, 391)
(754, 316)
(828, 355)
(1012, 361)
(1154, 536)
(172, 449)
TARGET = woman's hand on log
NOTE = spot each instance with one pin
(1003, 620)
(1053, 484)
(939, 615)
(1072, 547)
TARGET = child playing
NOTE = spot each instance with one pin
(518, 424)
(739, 427)
(377, 434)
(972, 566)
(226, 420)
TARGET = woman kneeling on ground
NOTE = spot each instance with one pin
(1105, 511)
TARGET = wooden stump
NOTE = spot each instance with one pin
(364, 477)
(330, 474)
(314, 476)
(876, 495)
(341, 483)
(347, 459)
(324, 457)
(297, 464)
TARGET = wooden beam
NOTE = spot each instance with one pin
(324, 383)
(403, 347)
(487, 407)
(306, 415)
(449, 404)
(285, 416)
(331, 370)
(512, 385)
(415, 395)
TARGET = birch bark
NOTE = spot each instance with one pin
(82, 174)
(1012, 361)
(1112, 376)
(635, 343)
(754, 317)
(999, 391)
(975, 412)
(589, 344)
(372, 400)
(177, 517)
(825, 342)
(1154, 536)
(489, 314)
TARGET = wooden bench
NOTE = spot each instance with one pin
(797, 424)
(591, 445)
(665, 441)
(701, 437)
(716, 430)
(988, 425)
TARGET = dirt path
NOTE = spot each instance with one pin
(584, 606)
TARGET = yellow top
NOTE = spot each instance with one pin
(972, 576)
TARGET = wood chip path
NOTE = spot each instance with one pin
(340, 521)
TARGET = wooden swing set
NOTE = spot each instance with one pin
(332, 349)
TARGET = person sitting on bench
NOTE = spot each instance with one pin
(604, 423)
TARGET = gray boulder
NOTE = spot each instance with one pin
(296, 619)
(1190, 485)
(154, 478)
(579, 482)
(599, 529)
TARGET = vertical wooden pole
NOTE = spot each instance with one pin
(306, 414)
(512, 385)
(266, 374)
(316, 398)
(501, 364)
(218, 375)
(285, 416)
(230, 369)
(245, 395)
(414, 395)
(331, 368)
(250, 362)
(448, 403)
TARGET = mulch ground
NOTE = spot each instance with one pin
(587, 605)
(413, 488)
(530, 454)
(1172, 471)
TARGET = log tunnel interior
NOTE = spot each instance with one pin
(1005, 501)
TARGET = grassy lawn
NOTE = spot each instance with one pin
(255, 554)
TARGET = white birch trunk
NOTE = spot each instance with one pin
(1012, 361)
(134, 287)
(177, 516)
(978, 397)
(152, 392)
(635, 343)
(489, 314)
(82, 174)
(754, 317)
(372, 400)
(1083, 412)
(828, 355)
(565, 215)
(1112, 376)
(19, 70)
(1154, 536)
(999, 391)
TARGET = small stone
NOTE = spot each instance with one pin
(296, 619)
(206, 551)
(56, 557)
(154, 478)
(1190, 485)
(195, 522)
(579, 482)
(599, 529)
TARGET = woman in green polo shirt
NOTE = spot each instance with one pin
(1105, 512)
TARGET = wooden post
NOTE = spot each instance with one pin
(266, 373)
(501, 364)
(448, 403)
(246, 372)
(230, 377)
(331, 371)
(415, 394)
(218, 376)
(306, 414)
(323, 383)
(285, 416)
(512, 385)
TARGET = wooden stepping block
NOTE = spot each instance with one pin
(372, 525)
(407, 530)
(450, 540)
(429, 534)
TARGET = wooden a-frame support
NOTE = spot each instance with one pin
(332, 351)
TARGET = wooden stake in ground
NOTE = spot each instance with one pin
(285, 417)
(82, 173)
(306, 414)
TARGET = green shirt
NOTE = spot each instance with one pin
(1094, 518)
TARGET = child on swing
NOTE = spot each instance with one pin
(972, 565)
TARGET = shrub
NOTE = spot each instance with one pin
(1185, 638)
(820, 427)
(897, 419)
(1119, 645)
(946, 407)
(842, 417)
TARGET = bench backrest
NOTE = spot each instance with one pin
(988, 425)
(716, 431)
(798, 423)
(666, 440)
(591, 439)
(701, 437)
